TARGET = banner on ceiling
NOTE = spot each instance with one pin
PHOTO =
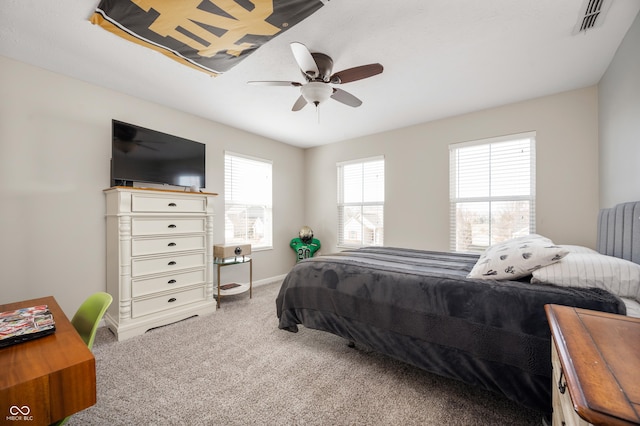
(209, 35)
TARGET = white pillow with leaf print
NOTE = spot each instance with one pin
(516, 258)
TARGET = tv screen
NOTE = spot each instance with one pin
(147, 156)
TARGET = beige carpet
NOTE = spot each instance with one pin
(237, 368)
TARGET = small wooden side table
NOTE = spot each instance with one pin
(241, 288)
(596, 371)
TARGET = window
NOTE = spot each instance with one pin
(247, 197)
(492, 191)
(361, 203)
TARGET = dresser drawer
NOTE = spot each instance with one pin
(152, 305)
(162, 204)
(145, 246)
(563, 411)
(164, 226)
(175, 262)
(147, 286)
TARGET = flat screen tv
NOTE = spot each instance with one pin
(140, 155)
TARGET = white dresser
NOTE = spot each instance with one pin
(159, 258)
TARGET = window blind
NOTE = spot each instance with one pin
(492, 191)
(361, 202)
(248, 200)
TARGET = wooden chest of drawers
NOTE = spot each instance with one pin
(159, 258)
(596, 367)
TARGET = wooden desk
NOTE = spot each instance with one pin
(51, 377)
(599, 359)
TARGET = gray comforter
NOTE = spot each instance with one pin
(419, 307)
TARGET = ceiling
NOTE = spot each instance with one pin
(441, 58)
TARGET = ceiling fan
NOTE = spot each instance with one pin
(317, 71)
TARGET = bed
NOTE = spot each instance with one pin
(422, 308)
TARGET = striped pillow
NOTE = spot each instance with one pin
(578, 249)
(618, 276)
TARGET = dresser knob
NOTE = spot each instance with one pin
(172, 204)
(171, 263)
(173, 299)
(172, 226)
(171, 244)
(171, 282)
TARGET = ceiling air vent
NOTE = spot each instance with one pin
(591, 15)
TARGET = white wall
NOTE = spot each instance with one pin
(55, 148)
(417, 171)
(619, 108)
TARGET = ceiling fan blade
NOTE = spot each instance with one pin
(300, 103)
(304, 59)
(346, 98)
(275, 83)
(356, 73)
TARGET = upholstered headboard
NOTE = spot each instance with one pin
(619, 231)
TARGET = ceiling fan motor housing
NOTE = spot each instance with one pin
(325, 67)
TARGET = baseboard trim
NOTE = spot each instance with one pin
(270, 280)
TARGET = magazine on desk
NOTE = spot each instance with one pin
(25, 324)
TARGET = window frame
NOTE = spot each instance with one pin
(378, 232)
(454, 175)
(268, 207)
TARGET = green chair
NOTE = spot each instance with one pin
(86, 320)
(89, 314)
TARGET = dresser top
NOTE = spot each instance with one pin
(179, 191)
(600, 357)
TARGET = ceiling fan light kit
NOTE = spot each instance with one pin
(316, 68)
(316, 92)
